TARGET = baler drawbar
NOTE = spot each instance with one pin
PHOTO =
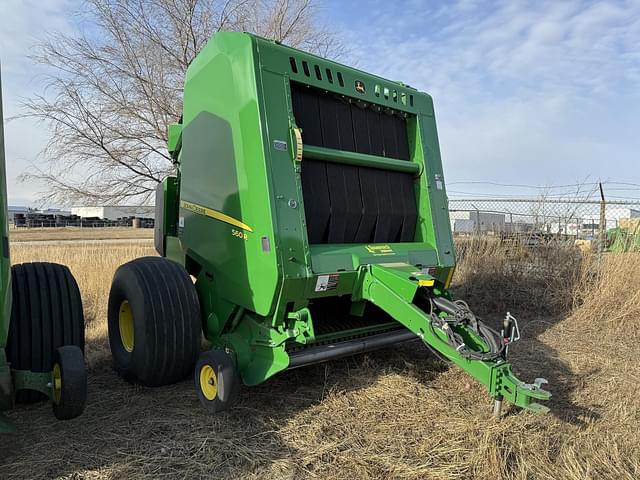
(307, 221)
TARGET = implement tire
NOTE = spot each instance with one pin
(69, 383)
(46, 314)
(217, 381)
(154, 322)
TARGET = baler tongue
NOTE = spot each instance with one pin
(450, 328)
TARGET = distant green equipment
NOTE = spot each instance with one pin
(624, 239)
(308, 221)
(41, 328)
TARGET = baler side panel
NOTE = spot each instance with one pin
(224, 183)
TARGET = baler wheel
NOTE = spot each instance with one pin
(154, 322)
(46, 314)
(217, 381)
(69, 383)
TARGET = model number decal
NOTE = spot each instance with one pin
(239, 234)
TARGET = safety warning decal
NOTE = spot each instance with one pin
(327, 282)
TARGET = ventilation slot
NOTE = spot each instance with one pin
(329, 76)
(318, 74)
(340, 79)
(294, 65)
(305, 67)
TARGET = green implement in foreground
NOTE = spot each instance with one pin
(310, 211)
(41, 328)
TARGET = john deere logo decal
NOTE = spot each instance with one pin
(360, 86)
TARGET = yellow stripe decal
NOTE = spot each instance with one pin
(211, 213)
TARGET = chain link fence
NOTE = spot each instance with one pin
(609, 224)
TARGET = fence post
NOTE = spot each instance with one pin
(603, 220)
(477, 221)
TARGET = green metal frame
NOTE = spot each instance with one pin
(6, 384)
(241, 228)
(10, 380)
(393, 290)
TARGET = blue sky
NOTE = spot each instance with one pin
(536, 93)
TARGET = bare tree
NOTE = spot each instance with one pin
(115, 87)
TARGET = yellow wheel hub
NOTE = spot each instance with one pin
(125, 322)
(208, 382)
(56, 383)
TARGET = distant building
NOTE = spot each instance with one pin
(476, 222)
(114, 212)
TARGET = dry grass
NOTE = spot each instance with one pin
(608, 293)
(76, 233)
(393, 414)
(498, 276)
(93, 266)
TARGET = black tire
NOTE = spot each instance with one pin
(217, 369)
(165, 323)
(46, 314)
(69, 383)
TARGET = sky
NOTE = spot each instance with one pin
(535, 94)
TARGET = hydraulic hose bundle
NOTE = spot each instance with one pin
(457, 314)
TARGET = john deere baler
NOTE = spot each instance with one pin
(310, 211)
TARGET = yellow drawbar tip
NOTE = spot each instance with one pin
(426, 283)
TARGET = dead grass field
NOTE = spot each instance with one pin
(77, 233)
(398, 413)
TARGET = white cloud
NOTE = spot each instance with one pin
(544, 91)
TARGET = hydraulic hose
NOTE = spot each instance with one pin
(459, 315)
